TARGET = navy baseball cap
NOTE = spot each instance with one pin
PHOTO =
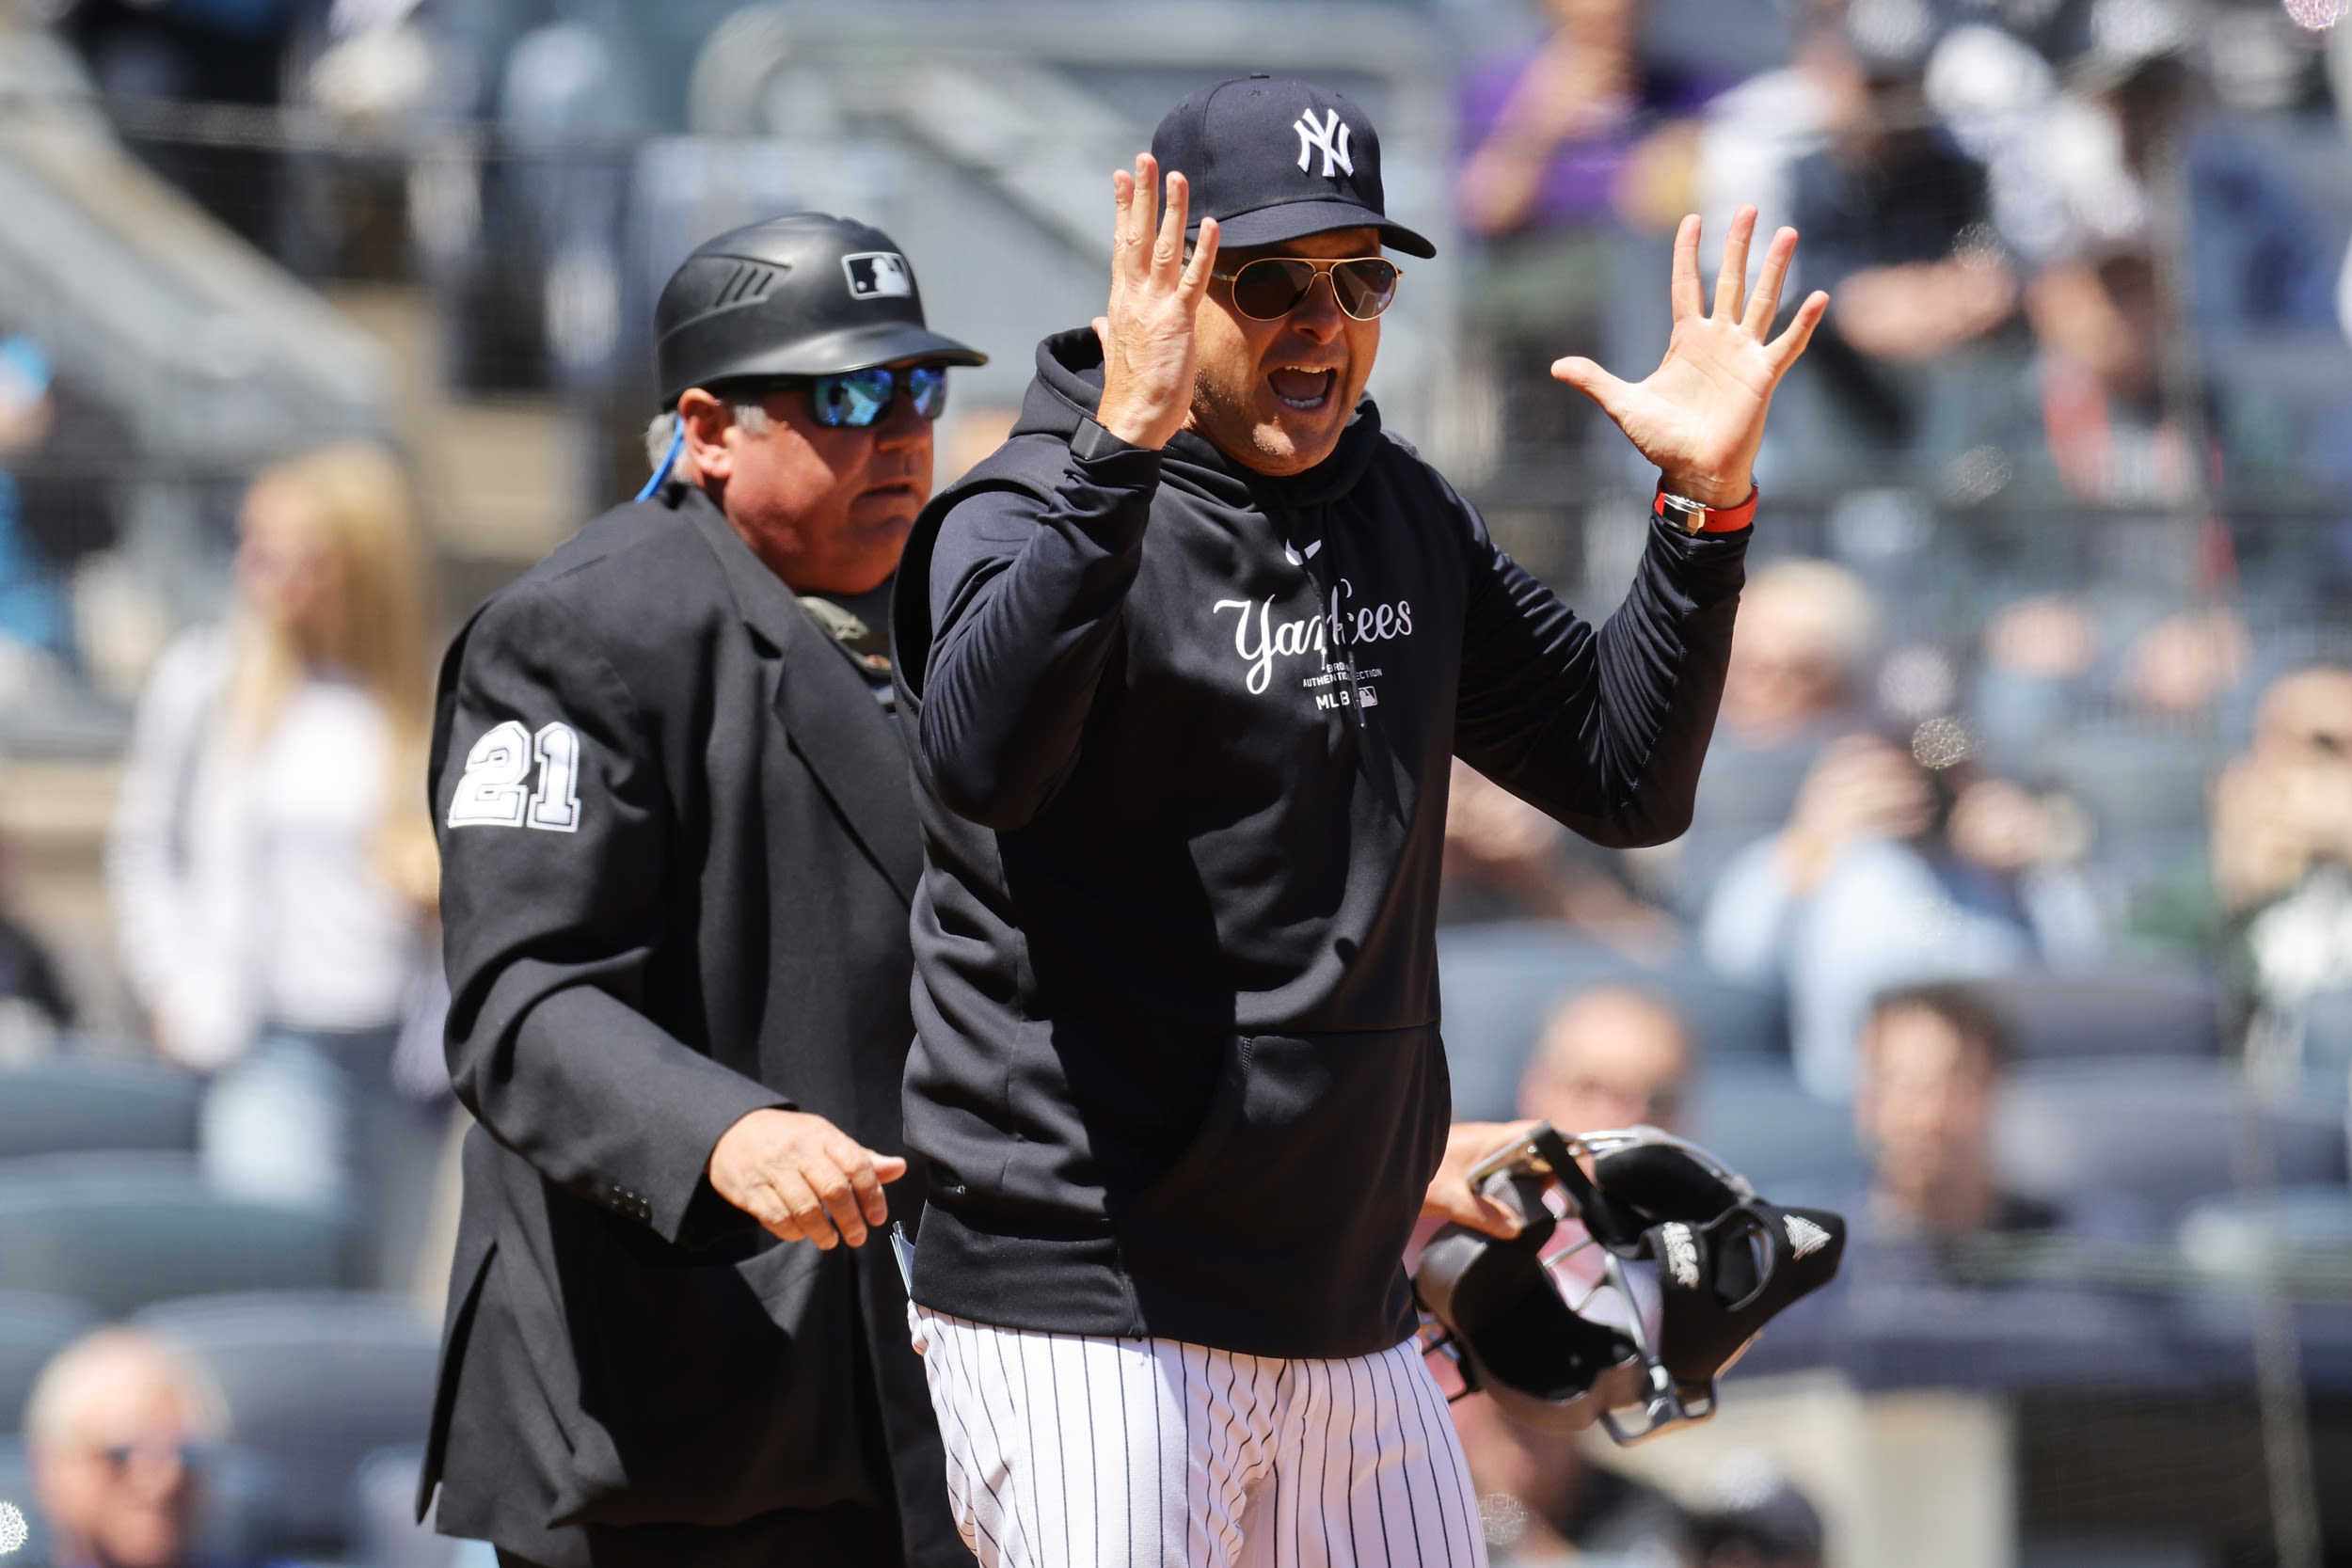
(1272, 158)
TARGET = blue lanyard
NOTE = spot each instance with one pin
(669, 461)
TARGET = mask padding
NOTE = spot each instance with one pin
(1664, 1182)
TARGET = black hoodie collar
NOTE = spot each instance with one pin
(1069, 388)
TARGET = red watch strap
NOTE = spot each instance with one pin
(1731, 519)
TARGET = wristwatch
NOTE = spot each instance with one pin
(1091, 442)
(1698, 518)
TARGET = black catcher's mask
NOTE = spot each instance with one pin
(1558, 1353)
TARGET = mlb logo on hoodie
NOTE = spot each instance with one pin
(877, 275)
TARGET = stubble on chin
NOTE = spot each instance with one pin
(1238, 427)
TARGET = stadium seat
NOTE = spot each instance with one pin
(32, 1329)
(1499, 980)
(75, 1103)
(2156, 1131)
(2305, 1234)
(2133, 776)
(314, 1382)
(2151, 1014)
(1754, 1117)
(121, 1230)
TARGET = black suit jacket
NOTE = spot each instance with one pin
(677, 845)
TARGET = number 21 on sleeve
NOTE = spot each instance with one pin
(491, 793)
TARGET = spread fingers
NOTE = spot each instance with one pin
(1764, 304)
(1731, 282)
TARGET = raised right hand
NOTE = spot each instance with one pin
(1147, 332)
(803, 1179)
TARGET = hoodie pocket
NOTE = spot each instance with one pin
(1281, 1229)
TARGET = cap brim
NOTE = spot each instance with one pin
(1292, 220)
(856, 349)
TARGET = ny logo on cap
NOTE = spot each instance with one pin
(1331, 137)
(877, 275)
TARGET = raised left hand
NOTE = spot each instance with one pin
(1700, 415)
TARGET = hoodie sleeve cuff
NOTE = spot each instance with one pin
(1109, 462)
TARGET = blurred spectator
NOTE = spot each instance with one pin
(2283, 810)
(1897, 866)
(1896, 225)
(2099, 327)
(33, 611)
(1805, 628)
(2037, 654)
(113, 1429)
(1580, 131)
(1569, 141)
(2282, 861)
(1894, 217)
(1608, 1057)
(272, 866)
(2086, 170)
(1755, 1518)
(1929, 1069)
(1799, 674)
(1505, 860)
(2180, 666)
(1611, 1056)
(1756, 134)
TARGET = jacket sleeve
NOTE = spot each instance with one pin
(1026, 605)
(1602, 730)
(553, 818)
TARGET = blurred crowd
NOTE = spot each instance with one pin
(2047, 228)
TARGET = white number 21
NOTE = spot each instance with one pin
(490, 795)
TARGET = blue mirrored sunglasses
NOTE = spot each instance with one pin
(861, 398)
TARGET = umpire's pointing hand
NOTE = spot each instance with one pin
(1452, 1197)
(1156, 295)
(803, 1178)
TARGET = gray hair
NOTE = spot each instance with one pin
(657, 436)
(61, 1395)
(752, 417)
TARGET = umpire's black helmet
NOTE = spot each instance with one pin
(804, 294)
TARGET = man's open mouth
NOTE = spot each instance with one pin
(1302, 387)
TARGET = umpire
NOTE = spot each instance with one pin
(678, 847)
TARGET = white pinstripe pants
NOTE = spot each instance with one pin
(1066, 1452)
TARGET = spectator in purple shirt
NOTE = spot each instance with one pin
(1579, 132)
(1577, 136)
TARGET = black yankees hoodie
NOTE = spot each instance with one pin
(1181, 737)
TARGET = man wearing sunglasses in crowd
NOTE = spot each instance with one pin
(1184, 666)
(678, 849)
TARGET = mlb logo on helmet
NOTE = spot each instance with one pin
(877, 275)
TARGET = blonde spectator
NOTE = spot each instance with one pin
(1800, 674)
(273, 865)
(2284, 809)
(112, 1428)
(1800, 651)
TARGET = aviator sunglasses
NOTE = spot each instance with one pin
(1271, 287)
(859, 398)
